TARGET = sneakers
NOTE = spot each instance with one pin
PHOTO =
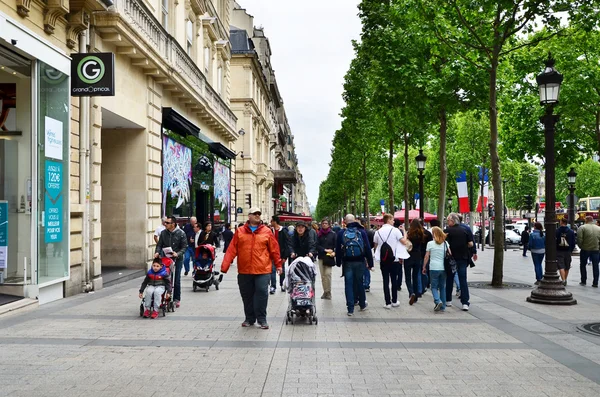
(537, 282)
(146, 313)
(326, 296)
(412, 299)
(362, 309)
(458, 293)
(264, 326)
(350, 314)
(387, 306)
(582, 284)
(367, 289)
(594, 285)
(177, 304)
(465, 308)
(154, 314)
(395, 304)
(565, 283)
(272, 290)
(247, 324)
(448, 304)
(185, 273)
(282, 289)
(438, 307)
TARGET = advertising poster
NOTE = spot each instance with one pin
(53, 147)
(222, 189)
(53, 202)
(177, 172)
(8, 104)
(3, 234)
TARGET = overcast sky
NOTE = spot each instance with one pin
(312, 50)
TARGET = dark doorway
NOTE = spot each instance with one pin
(204, 206)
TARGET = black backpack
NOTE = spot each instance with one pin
(386, 253)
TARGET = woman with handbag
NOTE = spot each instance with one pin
(326, 254)
(436, 252)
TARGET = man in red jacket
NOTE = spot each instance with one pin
(256, 248)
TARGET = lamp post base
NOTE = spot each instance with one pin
(551, 291)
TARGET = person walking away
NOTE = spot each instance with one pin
(397, 225)
(537, 246)
(352, 250)
(257, 249)
(227, 236)
(435, 255)
(326, 255)
(155, 283)
(424, 278)
(387, 252)
(282, 238)
(413, 265)
(565, 244)
(175, 239)
(588, 240)
(370, 235)
(525, 240)
(459, 244)
(190, 251)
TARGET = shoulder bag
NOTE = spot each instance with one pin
(449, 261)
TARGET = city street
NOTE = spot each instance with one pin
(97, 345)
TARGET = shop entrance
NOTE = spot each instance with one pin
(203, 207)
(15, 175)
(124, 197)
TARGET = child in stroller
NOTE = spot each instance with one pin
(204, 275)
(300, 283)
(156, 282)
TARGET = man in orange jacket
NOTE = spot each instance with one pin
(256, 248)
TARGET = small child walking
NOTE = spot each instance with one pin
(156, 282)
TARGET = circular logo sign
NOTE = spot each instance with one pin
(90, 70)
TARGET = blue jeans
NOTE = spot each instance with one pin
(537, 264)
(461, 271)
(367, 278)
(190, 252)
(353, 278)
(177, 281)
(412, 271)
(456, 282)
(274, 276)
(438, 287)
(583, 257)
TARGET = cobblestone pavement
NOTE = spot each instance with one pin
(97, 345)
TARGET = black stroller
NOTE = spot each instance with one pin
(300, 282)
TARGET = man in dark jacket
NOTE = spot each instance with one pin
(282, 238)
(326, 251)
(352, 250)
(188, 229)
(460, 245)
(565, 244)
(227, 236)
(175, 239)
(371, 237)
(525, 240)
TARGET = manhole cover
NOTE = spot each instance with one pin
(590, 328)
(487, 285)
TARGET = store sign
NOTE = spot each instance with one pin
(3, 234)
(93, 74)
(53, 202)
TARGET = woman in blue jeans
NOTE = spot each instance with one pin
(436, 251)
(537, 245)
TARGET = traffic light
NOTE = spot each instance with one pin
(491, 210)
(528, 202)
(249, 200)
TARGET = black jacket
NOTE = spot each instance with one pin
(227, 237)
(176, 239)
(283, 238)
(211, 238)
(303, 245)
(326, 242)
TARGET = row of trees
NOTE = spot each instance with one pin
(457, 79)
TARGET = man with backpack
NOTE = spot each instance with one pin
(386, 242)
(352, 250)
(565, 244)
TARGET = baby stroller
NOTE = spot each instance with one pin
(166, 305)
(204, 274)
(300, 284)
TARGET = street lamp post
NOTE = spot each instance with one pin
(365, 205)
(505, 209)
(551, 289)
(421, 159)
(571, 177)
(449, 204)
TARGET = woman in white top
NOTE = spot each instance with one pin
(436, 252)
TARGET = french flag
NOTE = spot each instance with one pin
(463, 194)
(483, 179)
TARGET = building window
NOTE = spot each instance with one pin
(289, 155)
(220, 80)
(206, 60)
(189, 27)
(165, 13)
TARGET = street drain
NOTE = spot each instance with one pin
(486, 285)
(590, 328)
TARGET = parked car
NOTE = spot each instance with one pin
(512, 237)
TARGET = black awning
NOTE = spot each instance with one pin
(221, 150)
(175, 122)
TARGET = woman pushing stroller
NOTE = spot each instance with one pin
(158, 279)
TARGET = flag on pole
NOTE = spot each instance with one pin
(463, 193)
(483, 179)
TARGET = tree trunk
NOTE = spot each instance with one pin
(406, 203)
(391, 178)
(366, 202)
(443, 166)
(497, 273)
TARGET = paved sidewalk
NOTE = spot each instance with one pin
(97, 345)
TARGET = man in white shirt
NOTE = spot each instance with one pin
(159, 229)
(388, 251)
(197, 232)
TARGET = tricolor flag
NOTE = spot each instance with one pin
(463, 194)
(485, 181)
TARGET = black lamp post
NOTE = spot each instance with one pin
(551, 289)
(365, 205)
(505, 209)
(449, 204)
(421, 159)
(571, 177)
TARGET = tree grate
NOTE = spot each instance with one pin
(487, 285)
(590, 328)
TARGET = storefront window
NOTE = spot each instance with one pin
(53, 174)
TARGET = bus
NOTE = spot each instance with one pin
(588, 206)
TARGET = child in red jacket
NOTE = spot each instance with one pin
(155, 283)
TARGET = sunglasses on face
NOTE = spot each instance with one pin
(168, 223)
